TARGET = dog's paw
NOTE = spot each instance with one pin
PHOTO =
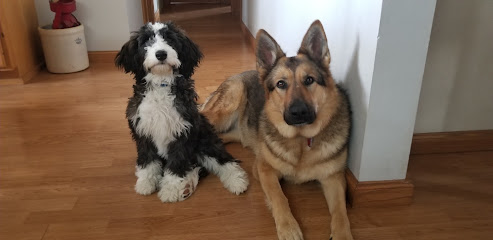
(145, 186)
(289, 229)
(234, 178)
(148, 178)
(176, 189)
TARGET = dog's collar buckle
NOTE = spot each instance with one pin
(309, 141)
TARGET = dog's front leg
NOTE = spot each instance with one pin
(286, 225)
(233, 177)
(334, 188)
(217, 160)
(149, 168)
(181, 172)
(149, 175)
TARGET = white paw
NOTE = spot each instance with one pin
(176, 189)
(234, 178)
(146, 186)
(148, 178)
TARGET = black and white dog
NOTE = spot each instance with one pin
(174, 141)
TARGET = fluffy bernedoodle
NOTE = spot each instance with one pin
(297, 121)
(174, 141)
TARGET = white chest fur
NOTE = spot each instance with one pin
(159, 118)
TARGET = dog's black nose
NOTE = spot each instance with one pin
(161, 55)
(299, 113)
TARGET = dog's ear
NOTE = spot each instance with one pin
(127, 58)
(315, 45)
(268, 52)
(189, 56)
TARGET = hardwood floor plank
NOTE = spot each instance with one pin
(38, 205)
(68, 231)
(23, 231)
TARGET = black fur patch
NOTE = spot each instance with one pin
(322, 77)
(256, 99)
(189, 53)
(270, 86)
(201, 138)
(292, 63)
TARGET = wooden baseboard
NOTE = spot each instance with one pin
(11, 81)
(450, 142)
(102, 56)
(378, 193)
(12, 76)
(248, 36)
(26, 78)
(9, 73)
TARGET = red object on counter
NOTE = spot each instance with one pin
(63, 14)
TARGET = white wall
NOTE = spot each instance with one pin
(134, 13)
(403, 38)
(457, 90)
(360, 51)
(155, 3)
(107, 23)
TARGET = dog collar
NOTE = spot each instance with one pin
(309, 141)
(164, 84)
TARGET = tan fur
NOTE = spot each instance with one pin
(281, 149)
(224, 105)
(225, 110)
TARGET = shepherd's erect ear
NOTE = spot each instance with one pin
(268, 52)
(127, 58)
(315, 45)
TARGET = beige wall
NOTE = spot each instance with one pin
(457, 89)
(107, 23)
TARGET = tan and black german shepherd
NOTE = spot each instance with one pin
(295, 118)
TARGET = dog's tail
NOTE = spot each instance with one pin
(234, 109)
(225, 105)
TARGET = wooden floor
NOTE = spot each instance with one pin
(67, 169)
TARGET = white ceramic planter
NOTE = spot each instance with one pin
(65, 49)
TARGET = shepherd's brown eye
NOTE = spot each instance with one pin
(308, 80)
(281, 84)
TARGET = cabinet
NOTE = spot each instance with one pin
(22, 54)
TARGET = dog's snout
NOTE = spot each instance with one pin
(298, 110)
(299, 113)
(161, 55)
